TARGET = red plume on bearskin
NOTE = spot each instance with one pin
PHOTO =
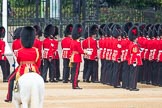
(133, 33)
(68, 30)
(77, 31)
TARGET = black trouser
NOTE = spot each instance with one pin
(95, 71)
(5, 66)
(160, 74)
(125, 74)
(133, 77)
(116, 73)
(66, 69)
(107, 72)
(141, 73)
(90, 70)
(103, 65)
(48, 65)
(57, 68)
(74, 74)
(11, 85)
(155, 69)
(148, 70)
(85, 68)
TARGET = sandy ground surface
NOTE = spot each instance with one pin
(93, 95)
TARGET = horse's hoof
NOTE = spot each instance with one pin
(6, 100)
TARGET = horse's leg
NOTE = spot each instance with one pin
(25, 105)
(17, 104)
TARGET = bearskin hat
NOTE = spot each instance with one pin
(49, 30)
(107, 30)
(141, 28)
(77, 31)
(17, 33)
(133, 33)
(127, 26)
(56, 31)
(2, 32)
(101, 31)
(145, 32)
(160, 31)
(110, 25)
(93, 29)
(85, 34)
(38, 30)
(150, 33)
(116, 32)
(27, 36)
(68, 30)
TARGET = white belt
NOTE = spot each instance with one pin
(66, 48)
(46, 49)
(160, 51)
(101, 48)
(108, 49)
(89, 49)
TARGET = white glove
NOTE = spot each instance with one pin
(89, 52)
(134, 64)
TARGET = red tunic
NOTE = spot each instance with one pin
(102, 46)
(116, 50)
(134, 54)
(76, 51)
(65, 44)
(92, 47)
(159, 57)
(141, 41)
(28, 59)
(47, 48)
(38, 44)
(2, 50)
(55, 49)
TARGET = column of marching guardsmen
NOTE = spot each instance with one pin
(114, 53)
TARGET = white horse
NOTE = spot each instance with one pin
(30, 91)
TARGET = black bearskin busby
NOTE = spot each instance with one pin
(85, 34)
(159, 31)
(133, 33)
(49, 30)
(56, 31)
(116, 31)
(68, 30)
(17, 32)
(93, 30)
(38, 30)
(101, 31)
(27, 36)
(77, 31)
(2, 32)
(107, 30)
(127, 26)
(141, 28)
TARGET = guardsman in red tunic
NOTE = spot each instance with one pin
(159, 58)
(153, 56)
(4, 63)
(56, 55)
(27, 57)
(92, 56)
(102, 47)
(116, 56)
(124, 60)
(134, 58)
(38, 43)
(76, 55)
(141, 40)
(106, 53)
(47, 53)
(85, 56)
(16, 45)
(65, 45)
